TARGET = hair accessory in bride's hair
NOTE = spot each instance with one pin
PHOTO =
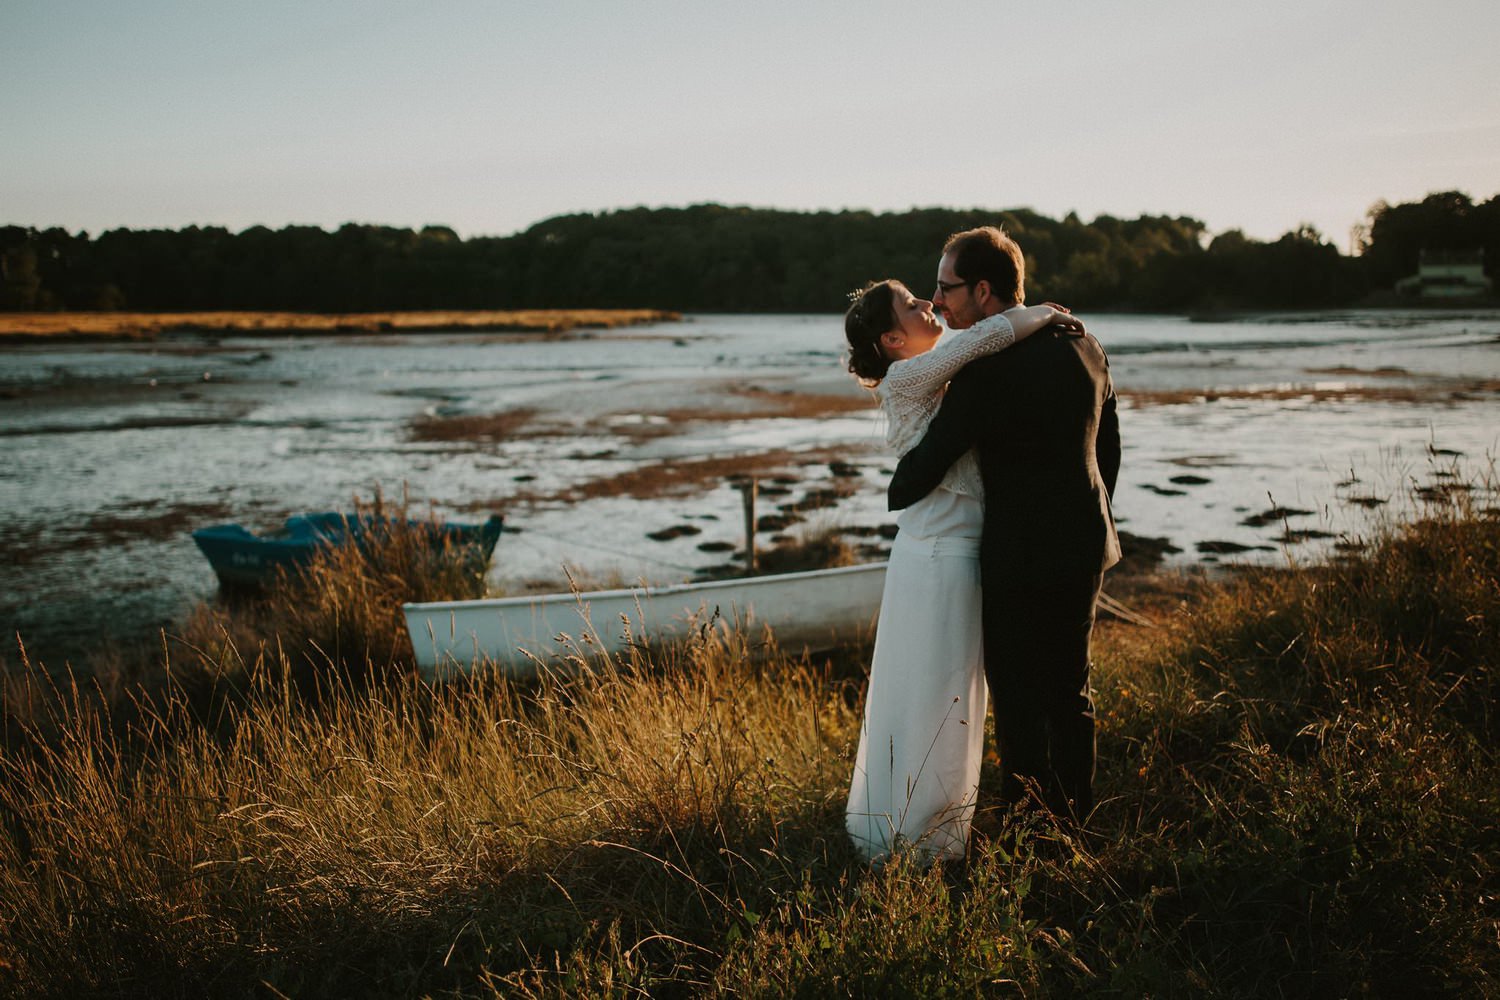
(870, 314)
(857, 304)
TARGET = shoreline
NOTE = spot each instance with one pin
(146, 325)
(38, 327)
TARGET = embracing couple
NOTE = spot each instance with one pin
(1010, 446)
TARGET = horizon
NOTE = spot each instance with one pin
(332, 227)
(490, 119)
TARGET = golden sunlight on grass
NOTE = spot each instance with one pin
(1297, 785)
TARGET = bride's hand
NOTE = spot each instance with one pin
(1063, 317)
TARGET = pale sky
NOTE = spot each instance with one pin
(491, 116)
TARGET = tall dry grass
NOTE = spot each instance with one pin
(403, 838)
(1298, 799)
(339, 614)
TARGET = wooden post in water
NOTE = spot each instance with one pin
(747, 492)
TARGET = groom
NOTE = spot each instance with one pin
(1042, 417)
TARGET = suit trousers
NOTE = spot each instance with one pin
(1036, 637)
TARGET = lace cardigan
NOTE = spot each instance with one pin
(913, 388)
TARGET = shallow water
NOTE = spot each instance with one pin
(112, 453)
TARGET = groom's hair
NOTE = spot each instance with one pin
(987, 254)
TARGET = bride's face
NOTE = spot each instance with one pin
(916, 329)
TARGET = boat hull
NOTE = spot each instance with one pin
(243, 559)
(521, 635)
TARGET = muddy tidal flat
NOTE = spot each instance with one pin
(615, 453)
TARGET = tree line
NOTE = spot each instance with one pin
(718, 258)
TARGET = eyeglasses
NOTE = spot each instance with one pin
(947, 286)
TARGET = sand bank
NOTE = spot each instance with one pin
(28, 327)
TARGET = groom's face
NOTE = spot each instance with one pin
(954, 297)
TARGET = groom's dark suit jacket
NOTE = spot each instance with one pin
(1042, 416)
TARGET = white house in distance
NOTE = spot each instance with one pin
(1447, 274)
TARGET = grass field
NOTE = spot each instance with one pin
(1298, 798)
(26, 327)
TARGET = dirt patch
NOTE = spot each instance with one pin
(750, 403)
(1294, 536)
(776, 522)
(471, 427)
(817, 550)
(675, 531)
(127, 424)
(805, 404)
(1141, 554)
(1273, 515)
(1218, 547)
(130, 522)
(1389, 371)
(675, 478)
(149, 520)
(822, 551)
(680, 478)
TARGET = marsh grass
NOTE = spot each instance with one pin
(1298, 795)
(405, 837)
(149, 326)
(340, 614)
(819, 543)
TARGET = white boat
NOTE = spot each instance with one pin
(520, 635)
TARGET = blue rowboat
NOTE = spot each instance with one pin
(242, 558)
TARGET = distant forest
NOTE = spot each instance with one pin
(713, 258)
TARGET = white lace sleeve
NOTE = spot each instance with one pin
(927, 374)
(913, 388)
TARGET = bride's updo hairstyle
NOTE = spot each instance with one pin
(872, 312)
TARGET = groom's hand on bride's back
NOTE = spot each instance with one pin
(949, 435)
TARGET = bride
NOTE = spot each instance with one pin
(916, 772)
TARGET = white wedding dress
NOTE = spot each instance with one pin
(916, 773)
